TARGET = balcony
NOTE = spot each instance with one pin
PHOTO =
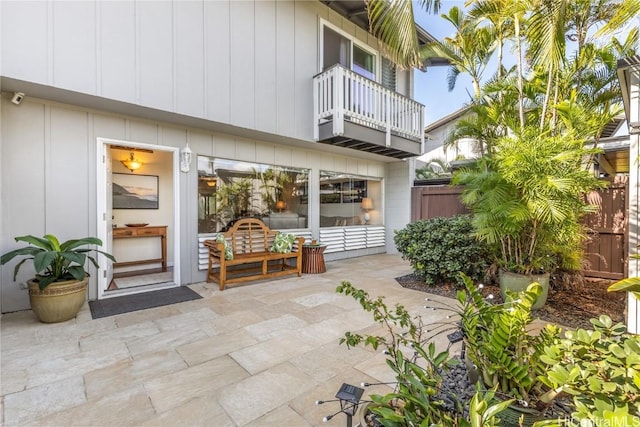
(354, 112)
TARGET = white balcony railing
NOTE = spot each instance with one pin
(340, 94)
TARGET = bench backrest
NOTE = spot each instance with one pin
(250, 235)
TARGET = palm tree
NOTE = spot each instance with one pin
(393, 23)
(468, 50)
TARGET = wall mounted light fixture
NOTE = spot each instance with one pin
(186, 156)
(131, 163)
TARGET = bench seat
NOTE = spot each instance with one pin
(251, 240)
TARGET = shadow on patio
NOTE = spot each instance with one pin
(259, 354)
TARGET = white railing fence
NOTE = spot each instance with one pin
(339, 94)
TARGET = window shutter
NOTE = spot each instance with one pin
(388, 74)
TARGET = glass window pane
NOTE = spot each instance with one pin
(347, 200)
(229, 190)
(336, 49)
(364, 63)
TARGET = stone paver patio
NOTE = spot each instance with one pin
(259, 354)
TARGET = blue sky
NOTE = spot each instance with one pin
(431, 86)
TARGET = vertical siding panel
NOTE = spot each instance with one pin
(265, 64)
(285, 51)
(266, 153)
(117, 51)
(224, 146)
(108, 127)
(156, 54)
(67, 177)
(306, 56)
(74, 48)
(299, 158)
(23, 52)
(189, 58)
(283, 156)
(22, 188)
(243, 64)
(217, 66)
(201, 143)
(246, 150)
(143, 132)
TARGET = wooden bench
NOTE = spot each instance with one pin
(251, 240)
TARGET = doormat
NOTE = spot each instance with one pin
(143, 280)
(128, 303)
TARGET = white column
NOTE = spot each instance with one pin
(633, 305)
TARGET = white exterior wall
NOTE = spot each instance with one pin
(242, 63)
(48, 176)
(434, 145)
(398, 182)
(633, 305)
(242, 69)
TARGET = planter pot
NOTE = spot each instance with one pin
(511, 416)
(58, 302)
(519, 282)
(368, 418)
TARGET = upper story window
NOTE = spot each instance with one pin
(339, 48)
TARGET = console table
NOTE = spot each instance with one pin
(137, 232)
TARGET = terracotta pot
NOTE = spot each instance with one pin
(519, 282)
(58, 302)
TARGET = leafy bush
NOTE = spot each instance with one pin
(440, 248)
(600, 368)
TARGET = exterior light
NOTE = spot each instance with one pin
(186, 156)
(131, 163)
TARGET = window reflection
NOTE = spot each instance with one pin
(229, 190)
(347, 200)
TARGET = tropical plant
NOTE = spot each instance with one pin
(236, 197)
(54, 261)
(499, 344)
(272, 184)
(416, 399)
(600, 368)
(527, 201)
(440, 248)
(435, 168)
(468, 50)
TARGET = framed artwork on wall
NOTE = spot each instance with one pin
(135, 191)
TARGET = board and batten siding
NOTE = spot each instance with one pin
(244, 63)
(48, 175)
(397, 199)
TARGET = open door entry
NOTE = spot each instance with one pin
(160, 222)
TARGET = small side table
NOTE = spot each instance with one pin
(313, 259)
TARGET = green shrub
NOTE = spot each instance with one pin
(600, 368)
(440, 248)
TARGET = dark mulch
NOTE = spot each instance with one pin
(566, 307)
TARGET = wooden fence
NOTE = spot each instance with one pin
(605, 249)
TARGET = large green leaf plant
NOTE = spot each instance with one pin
(54, 261)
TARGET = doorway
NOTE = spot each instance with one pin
(138, 217)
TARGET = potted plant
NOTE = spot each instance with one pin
(59, 288)
(505, 353)
(527, 201)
